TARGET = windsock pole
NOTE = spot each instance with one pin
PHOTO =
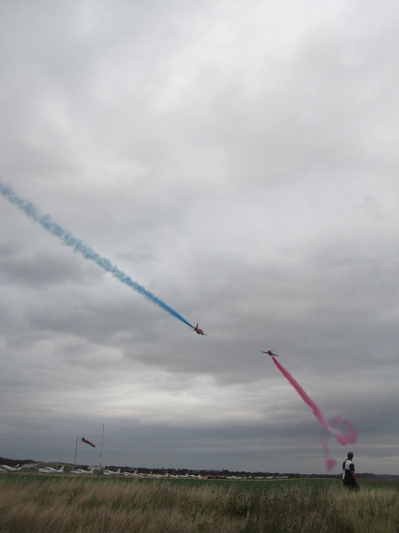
(76, 451)
(101, 449)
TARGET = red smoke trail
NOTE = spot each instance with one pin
(342, 438)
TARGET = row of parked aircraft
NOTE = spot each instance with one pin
(166, 475)
(49, 470)
(78, 471)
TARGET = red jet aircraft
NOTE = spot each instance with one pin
(199, 330)
(270, 352)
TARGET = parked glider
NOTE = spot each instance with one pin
(271, 353)
(199, 330)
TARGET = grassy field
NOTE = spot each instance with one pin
(34, 503)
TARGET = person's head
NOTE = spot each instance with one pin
(350, 455)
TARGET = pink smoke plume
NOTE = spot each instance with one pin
(342, 438)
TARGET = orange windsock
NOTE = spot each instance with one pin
(87, 441)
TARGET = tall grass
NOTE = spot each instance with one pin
(33, 504)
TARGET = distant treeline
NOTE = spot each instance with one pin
(15, 462)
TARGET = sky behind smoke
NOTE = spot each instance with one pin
(237, 159)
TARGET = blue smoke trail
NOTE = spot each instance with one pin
(78, 246)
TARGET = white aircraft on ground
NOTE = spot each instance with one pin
(111, 472)
(10, 468)
(49, 470)
(79, 471)
(130, 474)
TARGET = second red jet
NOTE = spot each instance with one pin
(199, 330)
(271, 353)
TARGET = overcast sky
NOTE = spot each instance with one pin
(238, 159)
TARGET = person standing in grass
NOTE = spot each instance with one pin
(349, 478)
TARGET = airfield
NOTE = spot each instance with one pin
(43, 503)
